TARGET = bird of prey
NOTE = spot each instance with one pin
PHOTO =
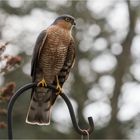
(53, 58)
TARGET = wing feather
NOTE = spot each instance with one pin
(68, 64)
(36, 53)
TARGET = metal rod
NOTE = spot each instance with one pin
(73, 118)
(11, 104)
(69, 105)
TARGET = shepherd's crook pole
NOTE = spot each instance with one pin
(69, 105)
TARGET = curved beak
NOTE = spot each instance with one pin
(74, 23)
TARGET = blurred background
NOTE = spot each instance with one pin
(105, 81)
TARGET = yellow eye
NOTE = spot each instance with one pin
(67, 19)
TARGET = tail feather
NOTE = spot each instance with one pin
(40, 107)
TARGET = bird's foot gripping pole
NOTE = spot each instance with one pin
(42, 83)
(58, 87)
(82, 132)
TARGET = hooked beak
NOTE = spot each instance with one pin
(74, 23)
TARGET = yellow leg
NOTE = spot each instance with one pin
(42, 83)
(58, 87)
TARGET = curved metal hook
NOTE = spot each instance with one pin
(11, 104)
(73, 118)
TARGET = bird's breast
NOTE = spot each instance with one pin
(58, 36)
(53, 53)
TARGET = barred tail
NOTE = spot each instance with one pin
(40, 107)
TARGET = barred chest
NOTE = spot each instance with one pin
(58, 37)
(54, 52)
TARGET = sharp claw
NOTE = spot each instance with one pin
(59, 88)
(42, 83)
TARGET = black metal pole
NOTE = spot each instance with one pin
(73, 118)
(69, 105)
(11, 104)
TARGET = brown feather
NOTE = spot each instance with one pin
(54, 55)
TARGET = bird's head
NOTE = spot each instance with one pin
(65, 21)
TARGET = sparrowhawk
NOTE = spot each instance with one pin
(52, 60)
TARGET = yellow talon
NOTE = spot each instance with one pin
(42, 83)
(58, 87)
